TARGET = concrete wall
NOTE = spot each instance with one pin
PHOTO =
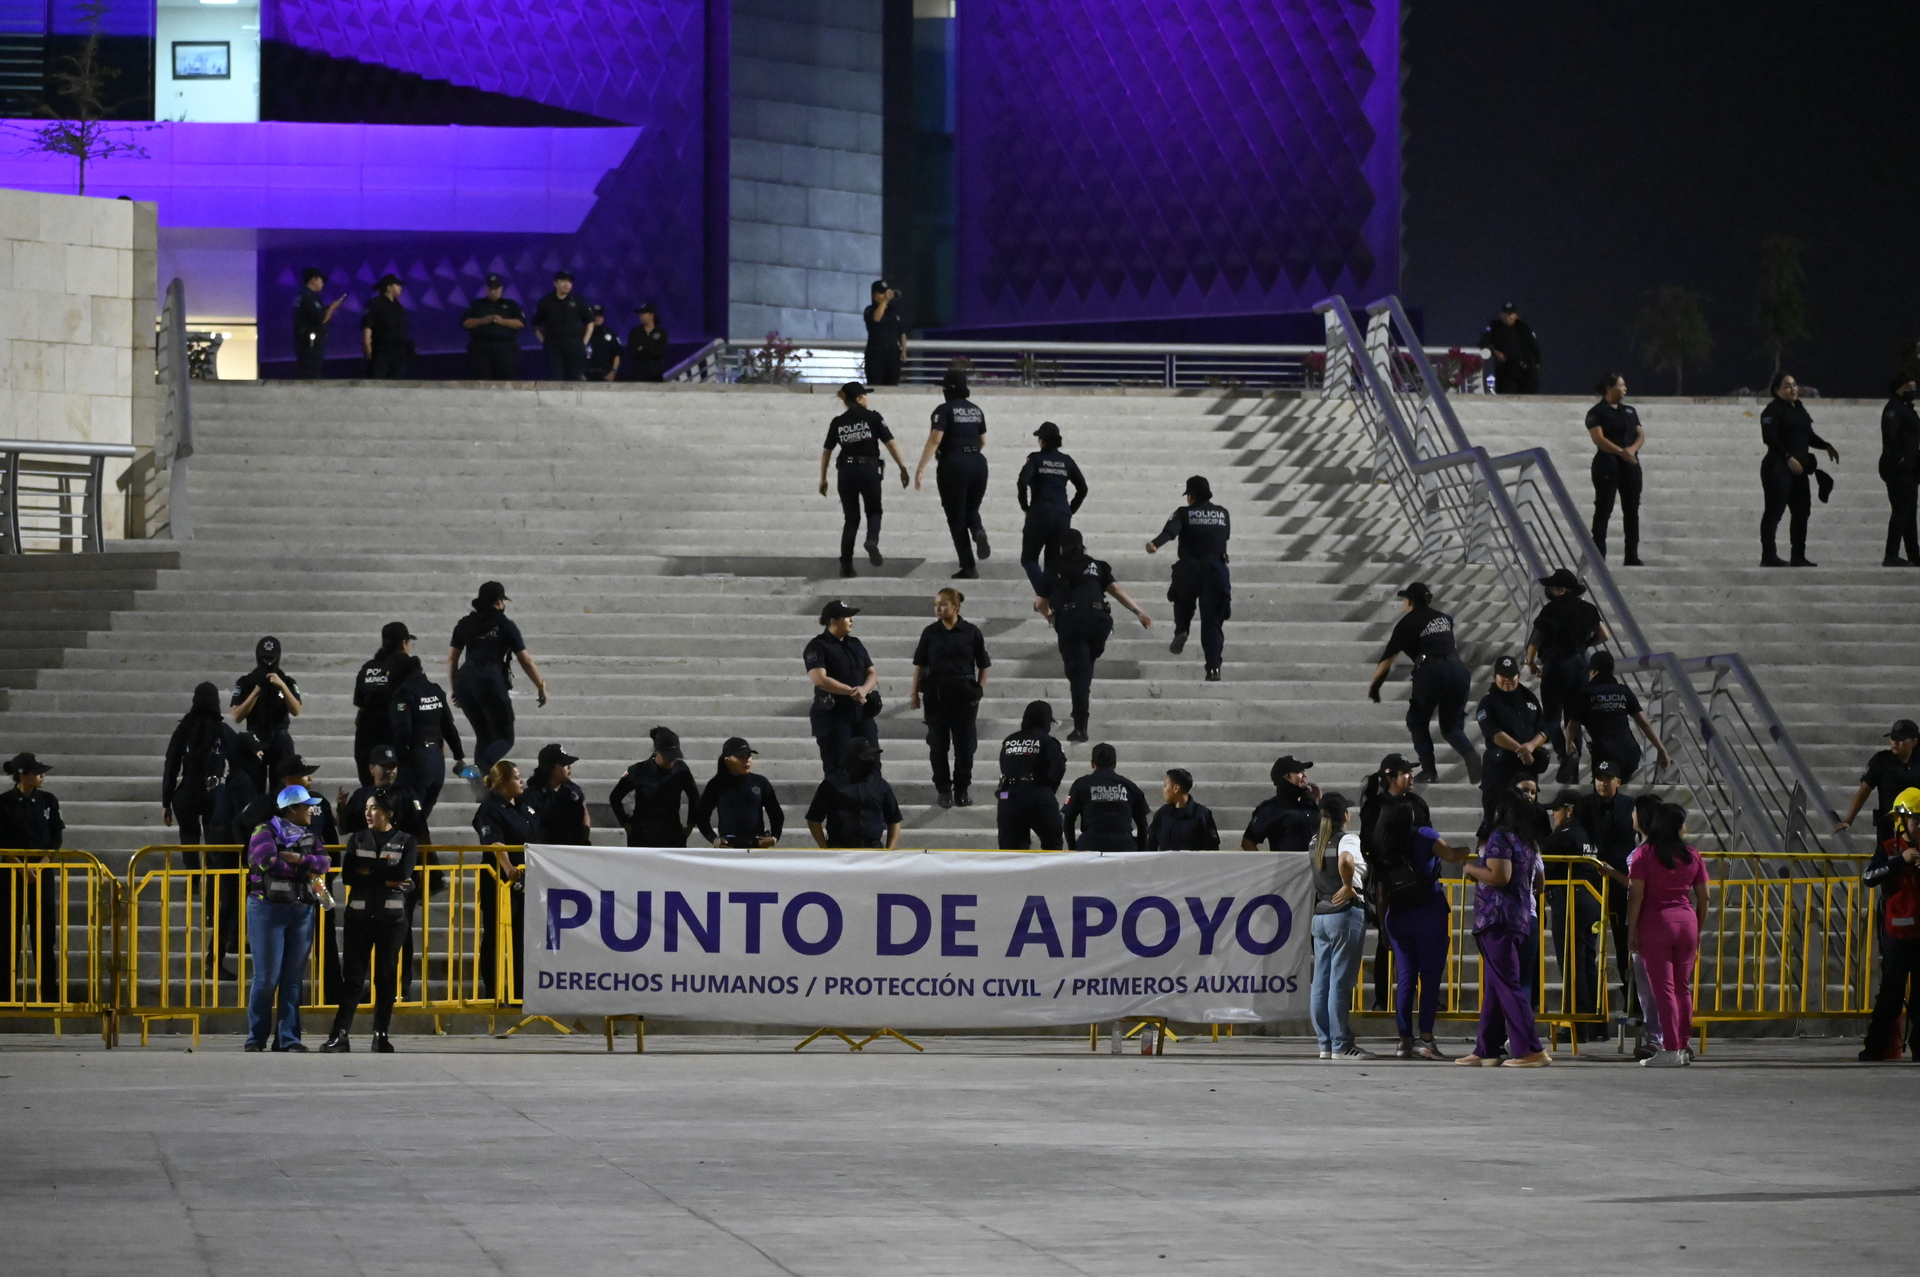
(805, 222)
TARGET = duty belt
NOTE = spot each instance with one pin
(947, 452)
(1069, 607)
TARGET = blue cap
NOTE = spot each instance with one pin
(296, 796)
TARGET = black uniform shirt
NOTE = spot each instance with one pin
(1608, 824)
(490, 639)
(656, 795)
(647, 351)
(30, 822)
(745, 807)
(858, 433)
(372, 691)
(499, 823)
(1107, 806)
(844, 659)
(563, 815)
(1899, 435)
(1188, 828)
(1288, 820)
(1085, 588)
(1203, 529)
(885, 332)
(951, 653)
(1424, 634)
(1618, 422)
(1605, 710)
(1517, 341)
(269, 715)
(387, 320)
(1044, 479)
(421, 718)
(1032, 758)
(1569, 840)
(309, 315)
(1889, 776)
(562, 318)
(962, 426)
(188, 771)
(1566, 625)
(602, 351)
(494, 334)
(1517, 713)
(407, 817)
(1787, 430)
(855, 812)
(370, 862)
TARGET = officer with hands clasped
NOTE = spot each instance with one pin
(603, 348)
(741, 804)
(656, 783)
(1289, 820)
(950, 666)
(1200, 576)
(1440, 680)
(1564, 631)
(1515, 731)
(1032, 765)
(858, 433)
(310, 319)
(1889, 772)
(1618, 437)
(843, 677)
(854, 806)
(1042, 493)
(563, 324)
(493, 323)
(958, 434)
(1109, 810)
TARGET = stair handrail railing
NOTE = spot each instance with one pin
(173, 426)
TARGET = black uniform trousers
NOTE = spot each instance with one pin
(1040, 538)
(859, 485)
(1623, 750)
(424, 771)
(651, 835)
(1082, 634)
(1623, 960)
(1203, 583)
(883, 365)
(1899, 992)
(30, 913)
(485, 701)
(957, 732)
(366, 736)
(962, 480)
(278, 747)
(310, 354)
(493, 361)
(380, 939)
(1510, 378)
(1614, 475)
(566, 360)
(835, 727)
(1439, 686)
(490, 940)
(1559, 675)
(388, 362)
(1576, 942)
(1026, 810)
(1785, 491)
(1903, 504)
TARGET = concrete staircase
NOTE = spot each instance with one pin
(667, 555)
(1833, 645)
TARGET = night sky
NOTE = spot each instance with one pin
(1571, 157)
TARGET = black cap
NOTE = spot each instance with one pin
(865, 750)
(563, 274)
(383, 756)
(1287, 765)
(1563, 579)
(1418, 591)
(1904, 729)
(492, 591)
(310, 274)
(647, 308)
(852, 391)
(666, 742)
(1398, 763)
(596, 310)
(1605, 767)
(737, 747)
(25, 764)
(1199, 488)
(390, 279)
(267, 650)
(879, 286)
(394, 633)
(1565, 798)
(1506, 667)
(295, 766)
(1037, 712)
(556, 754)
(1508, 308)
(1049, 431)
(835, 610)
(494, 281)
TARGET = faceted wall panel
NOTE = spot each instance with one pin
(1143, 158)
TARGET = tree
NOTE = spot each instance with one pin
(81, 130)
(1780, 298)
(1672, 332)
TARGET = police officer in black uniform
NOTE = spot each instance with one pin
(1617, 437)
(482, 687)
(950, 666)
(1889, 771)
(1032, 765)
(493, 323)
(656, 783)
(1516, 352)
(30, 820)
(855, 806)
(1787, 430)
(1607, 709)
(647, 346)
(310, 319)
(1440, 680)
(1572, 896)
(1514, 728)
(507, 817)
(858, 433)
(423, 731)
(1200, 576)
(1181, 824)
(563, 324)
(1290, 819)
(386, 332)
(1565, 630)
(561, 803)
(385, 768)
(267, 699)
(1109, 810)
(1042, 490)
(373, 691)
(1900, 471)
(193, 780)
(603, 348)
(1605, 815)
(959, 435)
(738, 808)
(1074, 601)
(843, 681)
(886, 335)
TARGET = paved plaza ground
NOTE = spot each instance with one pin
(732, 1155)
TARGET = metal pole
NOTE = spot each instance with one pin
(96, 523)
(13, 503)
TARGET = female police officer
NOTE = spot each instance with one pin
(958, 434)
(1042, 492)
(482, 686)
(858, 433)
(949, 675)
(377, 869)
(1440, 680)
(1074, 601)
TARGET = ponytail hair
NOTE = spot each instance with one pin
(1333, 821)
(1073, 553)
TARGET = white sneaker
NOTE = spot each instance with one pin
(1355, 1052)
(1664, 1060)
(1325, 1054)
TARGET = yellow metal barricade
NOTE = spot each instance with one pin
(58, 932)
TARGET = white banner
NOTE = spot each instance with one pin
(914, 939)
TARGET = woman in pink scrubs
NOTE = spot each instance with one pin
(1666, 907)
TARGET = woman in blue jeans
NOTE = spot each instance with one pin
(1339, 928)
(1406, 875)
(285, 862)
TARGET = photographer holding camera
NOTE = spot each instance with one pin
(377, 869)
(886, 336)
(286, 862)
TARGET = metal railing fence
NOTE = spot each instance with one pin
(59, 937)
(52, 495)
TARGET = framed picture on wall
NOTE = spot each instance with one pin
(202, 60)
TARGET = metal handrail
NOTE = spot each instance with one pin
(91, 517)
(704, 364)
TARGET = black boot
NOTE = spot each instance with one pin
(336, 1043)
(846, 569)
(873, 554)
(1078, 736)
(1179, 642)
(944, 797)
(961, 798)
(381, 1045)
